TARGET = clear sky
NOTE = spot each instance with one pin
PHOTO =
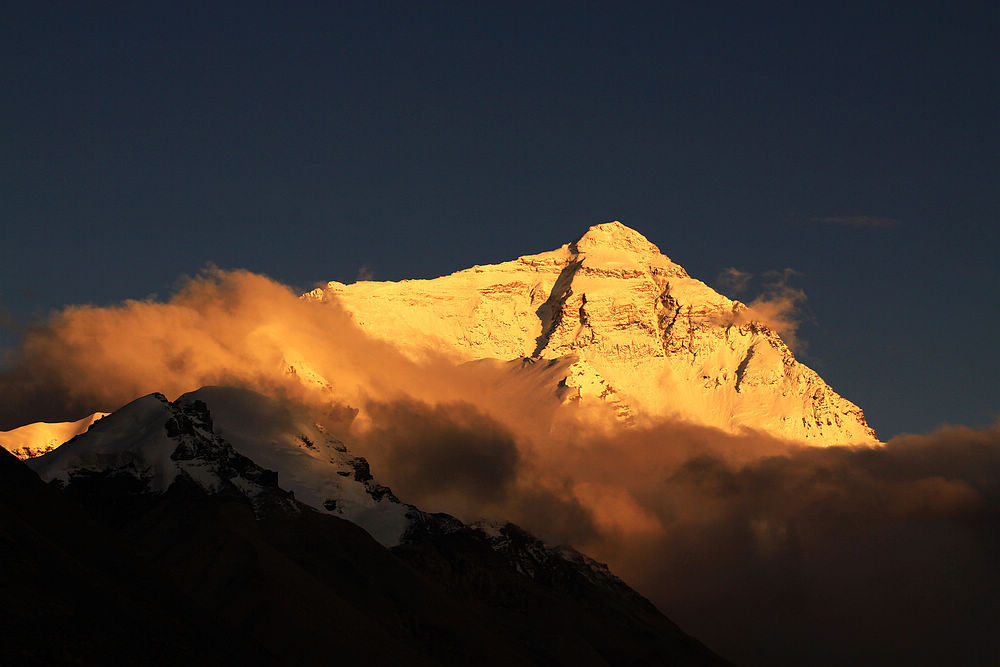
(854, 142)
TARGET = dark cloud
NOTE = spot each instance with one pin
(450, 456)
(860, 221)
(455, 458)
(773, 553)
(817, 556)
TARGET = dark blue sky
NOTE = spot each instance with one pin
(143, 140)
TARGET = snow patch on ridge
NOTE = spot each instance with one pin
(40, 438)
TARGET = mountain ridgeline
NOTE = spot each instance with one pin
(224, 558)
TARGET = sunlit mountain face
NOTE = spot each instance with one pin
(490, 440)
(33, 440)
(630, 326)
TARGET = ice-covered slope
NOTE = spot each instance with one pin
(41, 437)
(644, 335)
(244, 442)
(315, 466)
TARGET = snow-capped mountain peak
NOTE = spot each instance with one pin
(615, 236)
(155, 442)
(223, 438)
(635, 329)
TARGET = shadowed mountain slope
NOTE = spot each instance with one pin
(201, 517)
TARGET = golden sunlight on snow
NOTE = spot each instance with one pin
(645, 337)
(36, 439)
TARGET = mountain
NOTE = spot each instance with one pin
(177, 490)
(75, 592)
(633, 328)
(315, 467)
(41, 437)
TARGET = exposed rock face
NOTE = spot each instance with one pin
(152, 442)
(643, 334)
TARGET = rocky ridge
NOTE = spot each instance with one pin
(225, 440)
(155, 442)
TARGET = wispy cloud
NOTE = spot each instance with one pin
(733, 281)
(778, 305)
(860, 221)
(7, 320)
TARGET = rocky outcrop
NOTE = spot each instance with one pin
(640, 333)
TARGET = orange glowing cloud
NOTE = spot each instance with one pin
(728, 533)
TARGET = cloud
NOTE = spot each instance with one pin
(450, 455)
(733, 281)
(7, 320)
(220, 328)
(884, 553)
(779, 307)
(778, 554)
(365, 273)
(769, 552)
(859, 221)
